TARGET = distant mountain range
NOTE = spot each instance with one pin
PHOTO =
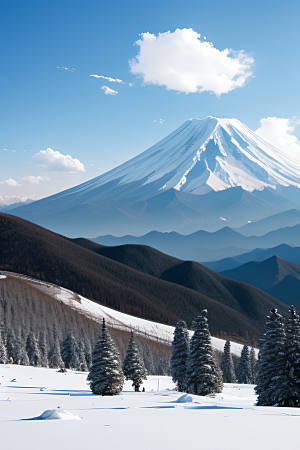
(206, 173)
(136, 280)
(203, 246)
(287, 252)
(275, 275)
(271, 223)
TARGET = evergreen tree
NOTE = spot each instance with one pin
(288, 383)
(227, 365)
(54, 359)
(204, 376)
(70, 352)
(179, 358)
(253, 365)
(10, 340)
(244, 369)
(271, 359)
(33, 351)
(43, 345)
(88, 354)
(3, 351)
(82, 360)
(20, 354)
(133, 366)
(106, 375)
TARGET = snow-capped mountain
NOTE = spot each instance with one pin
(199, 159)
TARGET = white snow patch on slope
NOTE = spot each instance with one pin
(116, 319)
(56, 414)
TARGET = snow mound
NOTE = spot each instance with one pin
(56, 414)
(186, 398)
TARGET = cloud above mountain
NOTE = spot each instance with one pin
(55, 161)
(278, 132)
(11, 182)
(35, 180)
(182, 62)
(108, 91)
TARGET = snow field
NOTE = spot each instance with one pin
(150, 420)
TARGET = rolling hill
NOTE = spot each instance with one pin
(275, 275)
(235, 308)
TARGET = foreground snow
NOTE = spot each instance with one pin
(115, 319)
(150, 420)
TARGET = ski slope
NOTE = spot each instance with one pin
(116, 319)
(134, 421)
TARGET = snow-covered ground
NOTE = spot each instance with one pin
(116, 319)
(150, 420)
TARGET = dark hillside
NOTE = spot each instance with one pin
(29, 249)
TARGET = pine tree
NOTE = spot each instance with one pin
(271, 359)
(179, 358)
(10, 340)
(3, 351)
(43, 345)
(70, 352)
(82, 360)
(288, 382)
(227, 365)
(204, 376)
(88, 354)
(244, 369)
(253, 365)
(133, 366)
(20, 354)
(33, 351)
(54, 359)
(106, 375)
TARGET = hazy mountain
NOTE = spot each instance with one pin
(204, 173)
(235, 308)
(196, 246)
(274, 275)
(287, 252)
(271, 223)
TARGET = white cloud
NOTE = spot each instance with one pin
(66, 68)
(182, 62)
(11, 199)
(108, 91)
(113, 80)
(5, 149)
(277, 132)
(24, 150)
(222, 218)
(159, 120)
(57, 162)
(11, 182)
(35, 180)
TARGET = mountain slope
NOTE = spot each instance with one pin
(274, 275)
(271, 223)
(204, 170)
(29, 249)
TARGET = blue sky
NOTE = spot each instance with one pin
(45, 107)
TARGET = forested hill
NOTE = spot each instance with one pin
(235, 308)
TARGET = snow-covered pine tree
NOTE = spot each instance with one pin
(82, 360)
(54, 358)
(253, 362)
(20, 354)
(244, 369)
(271, 359)
(204, 376)
(10, 341)
(70, 352)
(180, 355)
(106, 376)
(288, 383)
(227, 365)
(33, 351)
(133, 366)
(43, 344)
(3, 351)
